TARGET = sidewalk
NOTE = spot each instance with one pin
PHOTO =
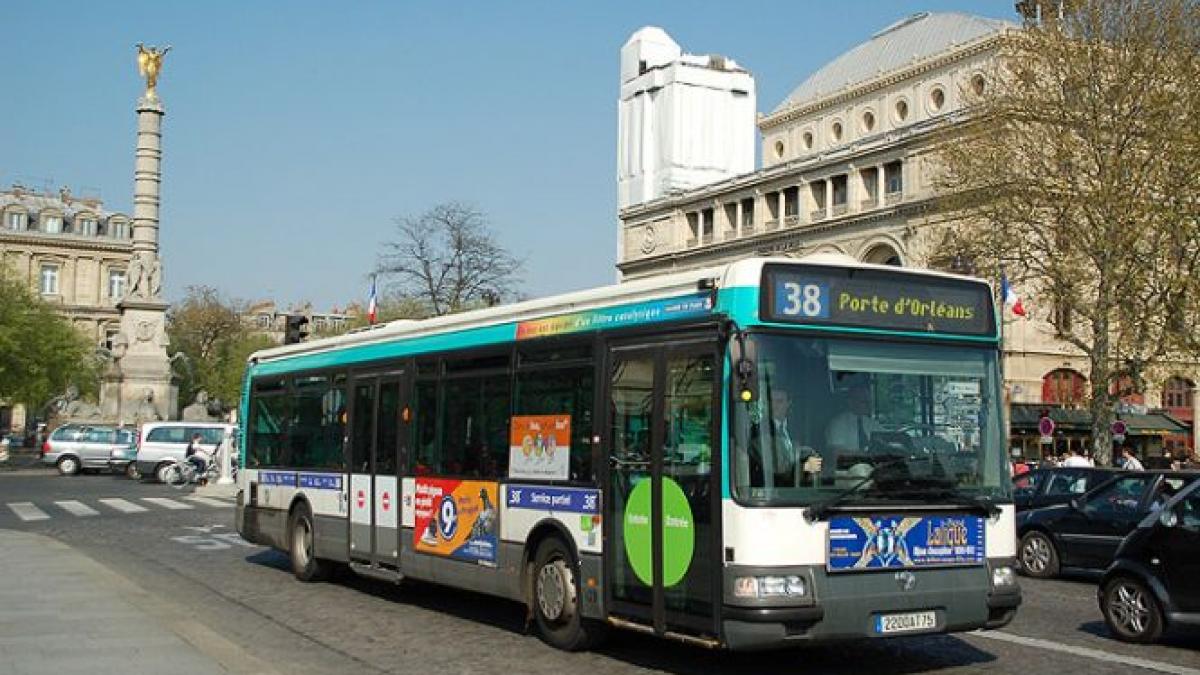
(62, 613)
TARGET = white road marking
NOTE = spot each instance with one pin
(1087, 652)
(208, 501)
(122, 505)
(76, 508)
(26, 511)
(167, 503)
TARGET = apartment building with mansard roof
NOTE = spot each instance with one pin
(72, 251)
(846, 167)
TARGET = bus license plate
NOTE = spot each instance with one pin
(887, 624)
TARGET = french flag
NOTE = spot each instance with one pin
(372, 303)
(1011, 299)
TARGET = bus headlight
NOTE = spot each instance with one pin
(1003, 577)
(770, 587)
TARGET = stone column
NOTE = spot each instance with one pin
(736, 225)
(147, 387)
(881, 185)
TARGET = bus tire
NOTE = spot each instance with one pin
(301, 537)
(555, 599)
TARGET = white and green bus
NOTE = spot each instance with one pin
(770, 452)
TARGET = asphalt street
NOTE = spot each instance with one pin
(185, 551)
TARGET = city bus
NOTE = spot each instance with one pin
(762, 454)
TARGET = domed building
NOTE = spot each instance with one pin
(847, 167)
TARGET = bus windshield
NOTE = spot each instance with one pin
(870, 422)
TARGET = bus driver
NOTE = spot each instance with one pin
(851, 429)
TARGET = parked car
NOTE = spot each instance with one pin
(1153, 583)
(161, 443)
(1082, 535)
(1056, 485)
(124, 459)
(75, 448)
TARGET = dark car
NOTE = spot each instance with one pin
(1154, 581)
(1082, 536)
(1056, 485)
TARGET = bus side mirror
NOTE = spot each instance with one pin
(745, 370)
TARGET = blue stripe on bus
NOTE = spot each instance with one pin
(321, 481)
(285, 478)
(540, 498)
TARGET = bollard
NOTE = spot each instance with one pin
(225, 477)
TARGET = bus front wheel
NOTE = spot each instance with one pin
(555, 591)
(305, 564)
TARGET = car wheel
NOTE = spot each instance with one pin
(1038, 557)
(1131, 611)
(68, 466)
(555, 600)
(305, 564)
(131, 471)
(160, 472)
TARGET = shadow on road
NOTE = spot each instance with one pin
(894, 655)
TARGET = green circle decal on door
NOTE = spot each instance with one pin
(679, 532)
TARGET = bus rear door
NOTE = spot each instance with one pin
(375, 450)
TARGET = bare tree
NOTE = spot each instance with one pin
(448, 259)
(1079, 176)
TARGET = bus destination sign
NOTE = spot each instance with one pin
(876, 299)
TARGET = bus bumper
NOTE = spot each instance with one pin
(847, 606)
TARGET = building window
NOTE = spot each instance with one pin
(1178, 393)
(978, 85)
(1064, 386)
(49, 280)
(836, 129)
(901, 110)
(110, 337)
(748, 214)
(1063, 319)
(937, 99)
(264, 320)
(118, 229)
(52, 224)
(87, 227)
(15, 220)
(893, 177)
(791, 202)
(808, 140)
(778, 149)
(116, 284)
(868, 121)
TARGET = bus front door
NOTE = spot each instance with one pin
(663, 498)
(375, 447)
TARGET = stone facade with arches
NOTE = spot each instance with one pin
(846, 167)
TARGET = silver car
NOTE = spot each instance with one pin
(85, 447)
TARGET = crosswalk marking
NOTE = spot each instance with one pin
(207, 501)
(76, 508)
(167, 503)
(122, 505)
(27, 511)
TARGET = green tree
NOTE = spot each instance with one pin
(208, 329)
(1079, 174)
(41, 353)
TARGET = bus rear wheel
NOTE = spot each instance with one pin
(305, 564)
(555, 599)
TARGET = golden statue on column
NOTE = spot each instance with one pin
(149, 65)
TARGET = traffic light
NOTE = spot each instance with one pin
(297, 329)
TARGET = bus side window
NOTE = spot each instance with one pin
(563, 391)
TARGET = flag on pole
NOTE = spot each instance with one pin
(372, 303)
(1011, 299)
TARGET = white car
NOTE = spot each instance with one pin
(161, 443)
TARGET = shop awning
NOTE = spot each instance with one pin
(1025, 416)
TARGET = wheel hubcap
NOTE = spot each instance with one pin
(303, 543)
(1130, 609)
(555, 591)
(1036, 555)
(68, 466)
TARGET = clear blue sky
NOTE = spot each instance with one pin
(296, 131)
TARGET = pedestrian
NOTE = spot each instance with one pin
(1074, 459)
(1131, 463)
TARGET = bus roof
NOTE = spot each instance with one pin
(741, 273)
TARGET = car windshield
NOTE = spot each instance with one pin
(895, 423)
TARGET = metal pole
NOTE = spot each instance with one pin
(223, 456)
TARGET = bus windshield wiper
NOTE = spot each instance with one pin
(944, 491)
(818, 510)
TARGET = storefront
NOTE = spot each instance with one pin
(1147, 433)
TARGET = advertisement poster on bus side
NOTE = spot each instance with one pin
(540, 447)
(456, 519)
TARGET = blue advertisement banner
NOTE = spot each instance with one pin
(321, 481)
(538, 498)
(285, 478)
(896, 542)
